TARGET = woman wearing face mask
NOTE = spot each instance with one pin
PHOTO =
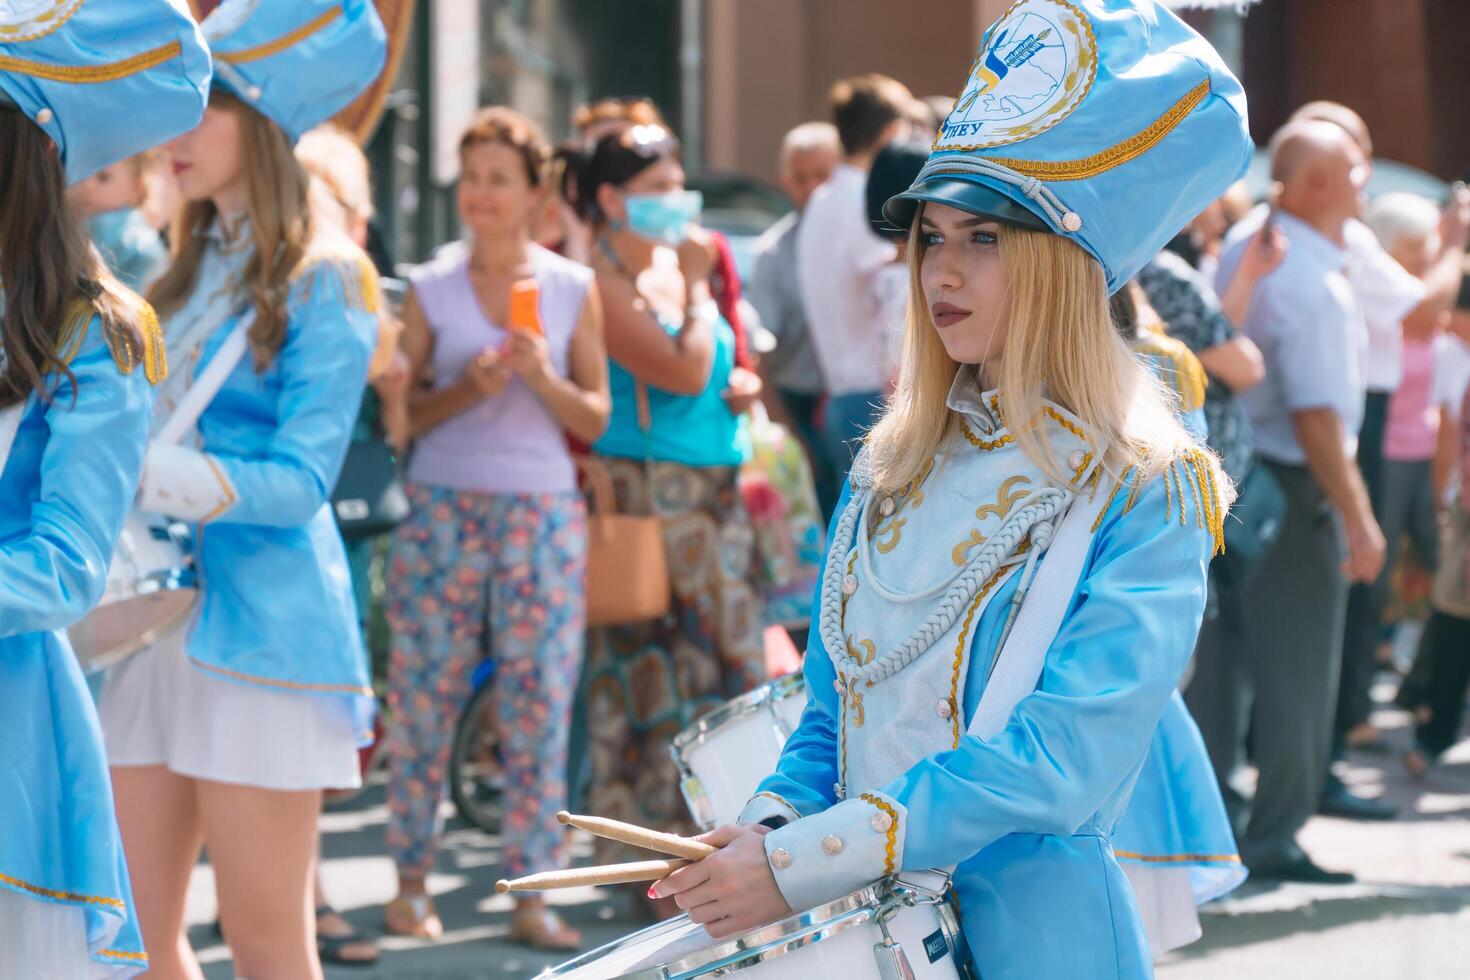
(79, 355)
(1029, 466)
(226, 731)
(497, 539)
(673, 446)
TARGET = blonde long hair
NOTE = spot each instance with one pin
(1061, 345)
(280, 224)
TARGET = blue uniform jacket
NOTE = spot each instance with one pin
(1027, 815)
(65, 489)
(276, 605)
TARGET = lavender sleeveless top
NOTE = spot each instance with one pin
(509, 444)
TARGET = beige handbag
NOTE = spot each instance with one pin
(627, 566)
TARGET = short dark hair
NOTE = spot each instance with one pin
(615, 159)
(499, 124)
(863, 107)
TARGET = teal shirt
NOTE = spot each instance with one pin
(696, 430)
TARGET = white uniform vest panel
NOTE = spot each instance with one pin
(910, 575)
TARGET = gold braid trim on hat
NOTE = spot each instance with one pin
(1113, 156)
(93, 73)
(281, 43)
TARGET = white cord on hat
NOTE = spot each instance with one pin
(238, 81)
(1031, 187)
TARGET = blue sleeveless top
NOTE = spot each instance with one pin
(697, 430)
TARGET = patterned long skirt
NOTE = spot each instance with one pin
(647, 682)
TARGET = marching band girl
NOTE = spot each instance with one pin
(1089, 132)
(227, 730)
(78, 354)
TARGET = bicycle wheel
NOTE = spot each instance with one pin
(476, 778)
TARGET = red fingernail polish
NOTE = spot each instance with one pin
(653, 891)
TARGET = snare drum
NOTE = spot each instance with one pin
(872, 934)
(150, 587)
(724, 756)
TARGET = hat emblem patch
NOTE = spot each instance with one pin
(26, 20)
(1035, 66)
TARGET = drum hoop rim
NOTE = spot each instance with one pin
(738, 707)
(852, 910)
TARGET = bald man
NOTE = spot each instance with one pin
(1391, 299)
(1285, 646)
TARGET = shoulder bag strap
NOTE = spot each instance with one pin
(208, 384)
(1018, 665)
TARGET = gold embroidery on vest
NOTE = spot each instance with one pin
(893, 530)
(1011, 493)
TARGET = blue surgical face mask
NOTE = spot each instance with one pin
(664, 218)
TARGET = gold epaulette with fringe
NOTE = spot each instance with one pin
(348, 269)
(73, 331)
(120, 340)
(1193, 476)
(152, 356)
(1188, 375)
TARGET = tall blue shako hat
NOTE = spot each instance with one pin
(296, 62)
(105, 79)
(1109, 122)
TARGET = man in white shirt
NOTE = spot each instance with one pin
(1390, 298)
(1306, 320)
(809, 154)
(839, 265)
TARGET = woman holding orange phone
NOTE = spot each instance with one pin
(505, 341)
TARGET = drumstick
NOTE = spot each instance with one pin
(607, 874)
(629, 833)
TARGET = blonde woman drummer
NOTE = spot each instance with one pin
(227, 731)
(1089, 132)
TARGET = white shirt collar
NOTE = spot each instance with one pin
(967, 398)
(1310, 243)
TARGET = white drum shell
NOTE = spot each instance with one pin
(723, 757)
(150, 587)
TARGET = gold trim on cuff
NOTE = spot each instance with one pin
(891, 845)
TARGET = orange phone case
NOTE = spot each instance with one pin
(525, 311)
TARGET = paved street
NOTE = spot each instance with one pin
(1409, 918)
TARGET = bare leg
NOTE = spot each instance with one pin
(158, 815)
(263, 846)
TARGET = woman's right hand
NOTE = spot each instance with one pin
(487, 373)
(697, 254)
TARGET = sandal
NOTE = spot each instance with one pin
(413, 916)
(335, 949)
(542, 929)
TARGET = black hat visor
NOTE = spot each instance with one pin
(965, 195)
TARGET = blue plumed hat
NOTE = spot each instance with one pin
(1110, 122)
(105, 79)
(296, 62)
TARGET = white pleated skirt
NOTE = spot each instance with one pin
(1166, 902)
(42, 940)
(158, 708)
